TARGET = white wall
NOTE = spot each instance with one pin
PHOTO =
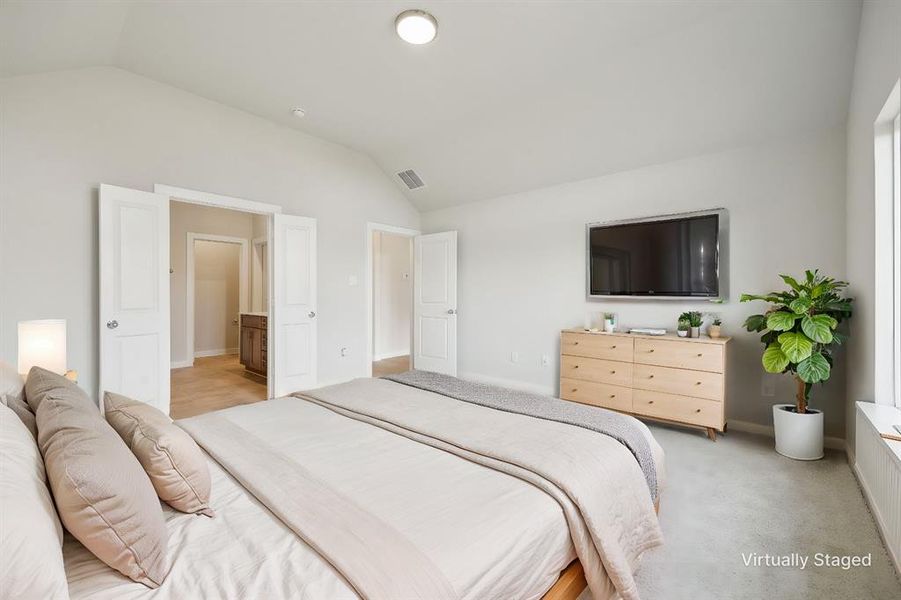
(184, 218)
(392, 295)
(877, 68)
(64, 133)
(216, 292)
(522, 258)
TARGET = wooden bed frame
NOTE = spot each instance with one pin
(572, 582)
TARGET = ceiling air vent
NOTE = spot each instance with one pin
(411, 179)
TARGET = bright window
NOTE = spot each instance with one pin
(896, 258)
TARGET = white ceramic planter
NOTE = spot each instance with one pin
(609, 326)
(798, 436)
(695, 332)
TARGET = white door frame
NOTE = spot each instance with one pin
(189, 284)
(256, 271)
(372, 228)
(218, 200)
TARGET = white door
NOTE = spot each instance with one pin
(435, 302)
(293, 320)
(134, 295)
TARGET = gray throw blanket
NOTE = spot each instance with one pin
(618, 426)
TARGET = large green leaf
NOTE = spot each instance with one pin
(781, 320)
(755, 323)
(814, 368)
(818, 328)
(791, 281)
(839, 338)
(800, 306)
(796, 346)
(773, 298)
(774, 359)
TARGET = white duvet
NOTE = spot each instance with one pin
(493, 535)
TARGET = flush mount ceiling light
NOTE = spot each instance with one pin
(416, 27)
(298, 112)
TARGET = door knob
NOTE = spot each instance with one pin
(451, 311)
(311, 314)
(112, 324)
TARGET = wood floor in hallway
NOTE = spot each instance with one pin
(389, 366)
(213, 383)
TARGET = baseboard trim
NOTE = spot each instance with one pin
(833, 443)
(513, 384)
(181, 364)
(377, 357)
(216, 352)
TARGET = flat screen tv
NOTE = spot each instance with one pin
(668, 257)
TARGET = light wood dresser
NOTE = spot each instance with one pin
(667, 378)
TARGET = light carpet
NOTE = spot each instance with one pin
(738, 496)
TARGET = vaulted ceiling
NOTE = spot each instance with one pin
(511, 96)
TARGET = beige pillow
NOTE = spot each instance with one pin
(102, 494)
(12, 395)
(30, 534)
(177, 468)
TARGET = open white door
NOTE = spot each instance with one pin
(293, 319)
(134, 295)
(435, 302)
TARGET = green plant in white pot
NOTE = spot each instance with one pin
(800, 334)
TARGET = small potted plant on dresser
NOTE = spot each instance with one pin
(694, 319)
(800, 334)
(609, 322)
(714, 329)
(682, 328)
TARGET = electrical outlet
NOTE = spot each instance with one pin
(545, 360)
(768, 385)
(514, 357)
(343, 352)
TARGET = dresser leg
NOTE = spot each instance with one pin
(711, 433)
(725, 427)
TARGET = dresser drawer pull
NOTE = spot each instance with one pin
(613, 395)
(650, 402)
(613, 347)
(575, 366)
(575, 343)
(700, 355)
(697, 383)
(697, 410)
(575, 390)
(651, 350)
(613, 372)
(650, 377)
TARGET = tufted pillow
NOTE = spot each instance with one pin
(177, 468)
(12, 395)
(102, 494)
(30, 534)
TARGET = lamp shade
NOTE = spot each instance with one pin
(42, 344)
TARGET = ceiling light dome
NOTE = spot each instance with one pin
(416, 27)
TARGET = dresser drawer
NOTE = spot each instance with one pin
(593, 369)
(255, 321)
(700, 384)
(681, 355)
(597, 345)
(694, 411)
(598, 394)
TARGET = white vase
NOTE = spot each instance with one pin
(609, 327)
(695, 332)
(798, 436)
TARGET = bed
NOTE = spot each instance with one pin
(487, 533)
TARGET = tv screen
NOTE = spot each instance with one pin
(672, 257)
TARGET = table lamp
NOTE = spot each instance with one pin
(42, 343)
